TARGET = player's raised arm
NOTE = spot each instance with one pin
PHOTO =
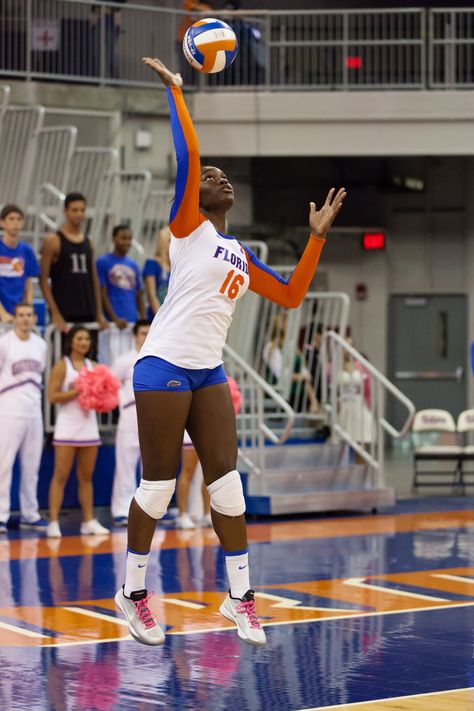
(185, 216)
(291, 292)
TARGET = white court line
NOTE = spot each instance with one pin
(183, 603)
(126, 697)
(20, 630)
(287, 603)
(330, 619)
(359, 583)
(356, 704)
(270, 624)
(457, 578)
(128, 638)
(97, 615)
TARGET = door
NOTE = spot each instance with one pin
(427, 346)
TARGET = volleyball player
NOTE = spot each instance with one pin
(179, 380)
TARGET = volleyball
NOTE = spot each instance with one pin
(210, 45)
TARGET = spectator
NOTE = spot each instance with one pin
(249, 66)
(127, 448)
(67, 257)
(156, 273)
(76, 434)
(18, 264)
(22, 363)
(355, 415)
(302, 391)
(195, 10)
(120, 281)
(311, 349)
(111, 28)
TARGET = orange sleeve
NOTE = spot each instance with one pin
(285, 292)
(185, 216)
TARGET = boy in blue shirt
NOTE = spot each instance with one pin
(120, 281)
(18, 264)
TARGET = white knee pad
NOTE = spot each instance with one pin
(227, 496)
(153, 497)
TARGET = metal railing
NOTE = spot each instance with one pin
(122, 198)
(257, 423)
(287, 343)
(19, 127)
(355, 396)
(53, 149)
(80, 40)
(155, 215)
(451, 48)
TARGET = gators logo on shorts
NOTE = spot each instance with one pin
(173, 383)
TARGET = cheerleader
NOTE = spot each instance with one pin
(76, 434)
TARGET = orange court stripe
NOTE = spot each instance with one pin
(257, 533)
(450, 700)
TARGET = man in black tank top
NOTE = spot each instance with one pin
(67, 258)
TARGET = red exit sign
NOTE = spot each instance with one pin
(372, 241)
(354, 62)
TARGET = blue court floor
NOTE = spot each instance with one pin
(356, 609)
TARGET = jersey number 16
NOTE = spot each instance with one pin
(231, 286)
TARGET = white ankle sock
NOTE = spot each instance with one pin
(135, 571)
(238, 572)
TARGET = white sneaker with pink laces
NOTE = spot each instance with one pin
(242, 611)
(141, 620)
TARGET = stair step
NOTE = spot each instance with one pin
(307, 456)
(277, 504)
(354, 477)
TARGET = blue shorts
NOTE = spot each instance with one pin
(153, 373)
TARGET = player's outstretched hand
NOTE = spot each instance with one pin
(166, 76)
(320, 221)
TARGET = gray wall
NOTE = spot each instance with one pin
(430, 234)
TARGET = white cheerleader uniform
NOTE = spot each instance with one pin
(74, 425)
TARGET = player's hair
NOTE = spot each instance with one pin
(141, 322)
(162, 246)
(119, 228)
(73, 197)
(67, 349)
(21, 305)
(8, 209)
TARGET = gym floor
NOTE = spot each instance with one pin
(363, 612)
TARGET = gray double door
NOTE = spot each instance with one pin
(428, 348)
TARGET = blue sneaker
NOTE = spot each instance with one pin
(3, 527)
(39, 525)
(120, 521)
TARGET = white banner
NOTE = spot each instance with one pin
(45, 35)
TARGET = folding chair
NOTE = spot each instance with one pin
(442, 424)
(465, 425)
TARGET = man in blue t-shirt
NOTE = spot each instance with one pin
(120, 281)
(18, 264)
